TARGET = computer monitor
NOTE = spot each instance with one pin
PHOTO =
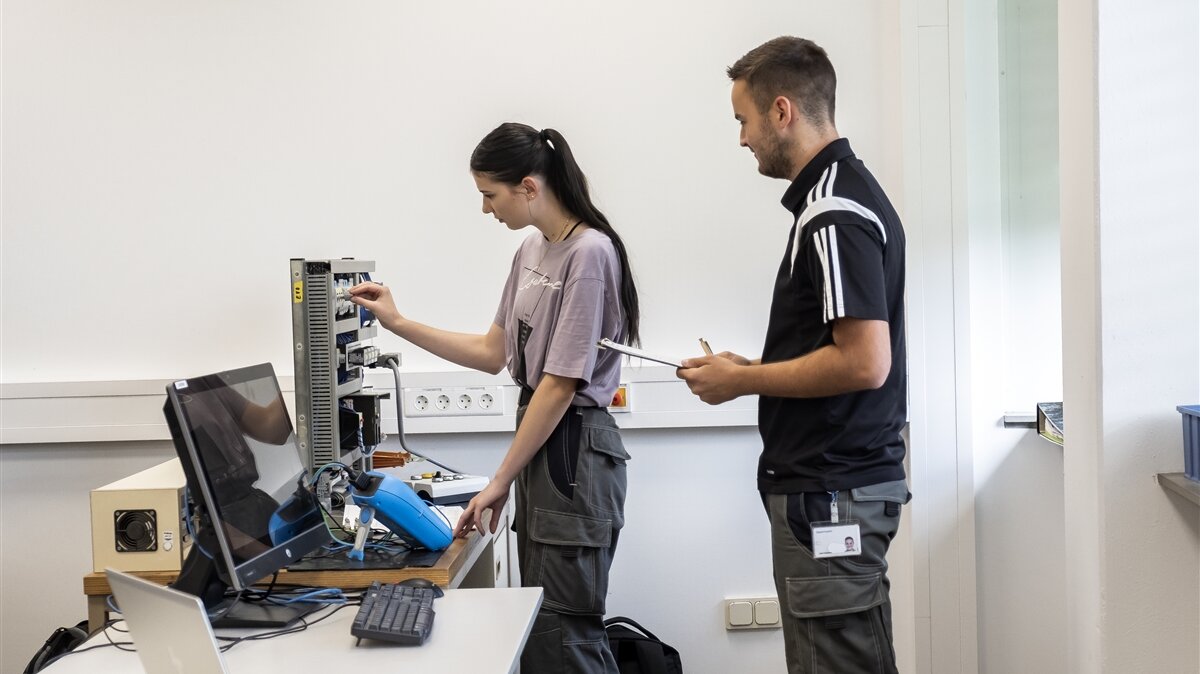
(248, 486)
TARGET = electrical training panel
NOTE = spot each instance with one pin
(337, 417)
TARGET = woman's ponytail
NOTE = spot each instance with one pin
(513, 151)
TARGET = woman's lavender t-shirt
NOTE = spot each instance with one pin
(568, 294)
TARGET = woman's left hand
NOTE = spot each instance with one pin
(488, 502)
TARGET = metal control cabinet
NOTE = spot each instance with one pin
(330, 334)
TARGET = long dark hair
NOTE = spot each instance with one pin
(513, 151)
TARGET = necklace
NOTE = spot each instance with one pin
(560, 236)
(563, 234)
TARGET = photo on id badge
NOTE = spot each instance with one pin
(836, 540)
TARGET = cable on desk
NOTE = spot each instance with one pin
(302, 625)
(339, 600)
(120, 645)
(324, 595)
(231, 641)
(212, 617)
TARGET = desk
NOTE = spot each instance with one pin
(468, 562)
(476, 630)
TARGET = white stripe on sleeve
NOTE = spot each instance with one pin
(840, 204)
(835, 272)
(827, 275)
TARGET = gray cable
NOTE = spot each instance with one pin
(394, 366)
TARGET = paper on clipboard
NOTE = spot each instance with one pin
(636, 353)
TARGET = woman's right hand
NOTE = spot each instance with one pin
(377, 299)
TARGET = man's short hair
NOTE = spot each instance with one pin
(793, 67)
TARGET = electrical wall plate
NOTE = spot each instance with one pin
(453, 401)
(752, 613)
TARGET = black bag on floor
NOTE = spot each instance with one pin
(63, 639)
(638, 651)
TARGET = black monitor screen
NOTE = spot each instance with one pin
(245, 459)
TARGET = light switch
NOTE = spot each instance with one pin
(741, 613)
(766, 612)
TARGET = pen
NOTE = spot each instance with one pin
(704, 345)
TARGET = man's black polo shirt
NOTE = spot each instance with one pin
(844, 258)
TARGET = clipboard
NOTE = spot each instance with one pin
(637, 353)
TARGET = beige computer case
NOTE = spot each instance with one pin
(137, 522)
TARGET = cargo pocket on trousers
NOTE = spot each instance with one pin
(568, 550)
(606, 481)
(825, 596)
(840, 622)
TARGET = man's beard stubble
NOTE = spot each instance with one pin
(774, 156)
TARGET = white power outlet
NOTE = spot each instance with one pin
(460, 401)
(752, 613)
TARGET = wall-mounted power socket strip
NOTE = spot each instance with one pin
(456, 401)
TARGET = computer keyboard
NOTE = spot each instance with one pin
(397, 613)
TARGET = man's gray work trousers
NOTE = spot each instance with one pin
(570, 508)
(837, 616)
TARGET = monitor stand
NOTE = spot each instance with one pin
(261, 614)
(201, 578)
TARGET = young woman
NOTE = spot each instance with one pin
(570, 285)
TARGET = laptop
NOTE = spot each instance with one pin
(169, 628)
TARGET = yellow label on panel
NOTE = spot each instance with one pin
(297, 292)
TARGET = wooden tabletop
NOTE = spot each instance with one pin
(441, 573)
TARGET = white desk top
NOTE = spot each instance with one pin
(477, 630)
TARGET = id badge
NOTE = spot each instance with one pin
(836, 539)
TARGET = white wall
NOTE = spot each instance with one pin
(1131, 330)
(164, 159)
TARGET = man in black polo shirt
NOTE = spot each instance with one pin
(831, 381)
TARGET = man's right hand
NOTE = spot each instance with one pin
(713, 378)
(727, 355)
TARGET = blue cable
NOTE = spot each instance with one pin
(320, 596)
(327, 466)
